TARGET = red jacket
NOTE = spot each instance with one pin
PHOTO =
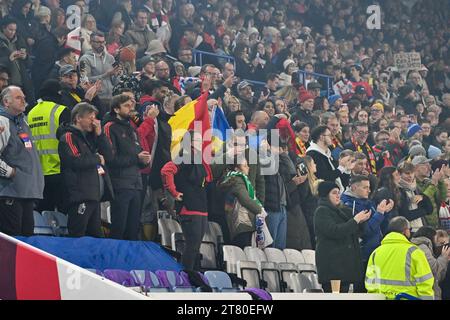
(147, 136)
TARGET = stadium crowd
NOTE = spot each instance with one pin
(362, 142)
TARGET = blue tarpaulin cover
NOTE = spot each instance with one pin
(101, 254)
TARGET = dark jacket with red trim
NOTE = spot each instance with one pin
(190, 180)
(124, 165)
(79, 161)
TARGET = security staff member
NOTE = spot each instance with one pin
(21, 179)
(398, 266)
(44, 120)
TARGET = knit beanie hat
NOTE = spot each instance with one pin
(413, 129)
(332, 99)
(417, 150)
(326, 187)
(305, 97)
(434, 152)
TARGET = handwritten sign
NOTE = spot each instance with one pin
(408, 61)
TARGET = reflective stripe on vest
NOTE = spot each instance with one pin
(403, 283)
(44, 121)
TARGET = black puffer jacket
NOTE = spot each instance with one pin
(79, 161)
(124, 165)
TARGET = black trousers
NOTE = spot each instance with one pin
(126, 214)
(243, 240)
(54, 195)
(194, 228)
(85, 222)
(16, 217)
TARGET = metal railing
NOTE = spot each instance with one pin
(199, 55)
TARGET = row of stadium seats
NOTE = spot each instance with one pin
(50, 223)
(272, 269)
(167, 281)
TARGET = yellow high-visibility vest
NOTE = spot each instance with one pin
(398, 266)
(43, 121)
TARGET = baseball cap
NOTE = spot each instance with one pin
(66, 69)
(243, 85)
(420, 160)
(360, 90)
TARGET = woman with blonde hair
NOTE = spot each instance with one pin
(88, 25)
(309, 193)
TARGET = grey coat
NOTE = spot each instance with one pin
(438, 265)
(28, 181)
(96, 68)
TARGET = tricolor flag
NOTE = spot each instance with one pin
(184, 119)
(220, 128)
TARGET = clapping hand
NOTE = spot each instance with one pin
(362, 216)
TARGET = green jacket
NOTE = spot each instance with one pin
(437, 195)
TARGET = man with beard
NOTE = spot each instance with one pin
(99, 65)
(124, 166)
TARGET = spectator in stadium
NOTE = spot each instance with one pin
(65, 56)
(21, 11)
(22, 180)
(275, 203)
(425, 238)
(72, 93)
(124, 166)
(297, 232)
(302, 135)
(435, 188)
(304, 112)
(330, 120)
(140, 33)
(4, 78)
(326, 167)
(309, 195)
(44, 49)
(14, 56)
(114, 39)
(236, 119)
(356, 197)
(360, 168)
(83, 148)
(337, 232)
(187, 182)
(88, 26)
(238, 185)
(247, 100)
(99, 65)
(359, 143)
(395, 261)
(414, 205)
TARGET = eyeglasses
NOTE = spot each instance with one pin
(365, 133)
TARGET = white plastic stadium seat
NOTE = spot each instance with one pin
(165, 228)
(231, 255)
(255, 254)
(294, 256)
(310, 256)
(275, 255)
(300, 283)
(248, 270)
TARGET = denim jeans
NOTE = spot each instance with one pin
(277, 224)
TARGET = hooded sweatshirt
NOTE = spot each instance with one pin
(18, 152)
(96, 68)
